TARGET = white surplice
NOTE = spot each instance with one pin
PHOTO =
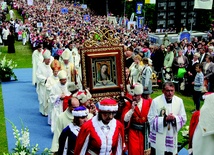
(36, 58)
(55, 94)
(43, 72)
(203, 138)
(165, 138)
(51, 81)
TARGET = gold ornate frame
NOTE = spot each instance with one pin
(113, 58)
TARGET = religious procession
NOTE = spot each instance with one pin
(94, 76)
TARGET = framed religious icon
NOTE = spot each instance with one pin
(103, 70)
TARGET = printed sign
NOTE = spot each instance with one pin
(112, 20)
(64, 10)
(39, 24)
(185, 35)
(84, 6)
(29, 2)
(131, 25)
(203, 4)
(87, 18)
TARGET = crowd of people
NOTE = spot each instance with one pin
(57, 33)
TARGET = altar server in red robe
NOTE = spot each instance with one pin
(102, 134)
(135, 115)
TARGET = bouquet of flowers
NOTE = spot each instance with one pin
(6, 69)
(22, 145)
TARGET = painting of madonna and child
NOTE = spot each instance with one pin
(104, 74)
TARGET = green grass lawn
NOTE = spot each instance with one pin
(3, 136)
(23, 58)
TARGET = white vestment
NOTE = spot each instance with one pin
(11, 14)
(43, 72)
(62, 121)
(36, 58)
(202, 145)
(55, 94)
(203, 138)
(75, 59)
(69, 68)
(51, 81)
(165, 138)
(5, 33)
(135, 72)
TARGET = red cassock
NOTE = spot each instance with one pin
(136, 137)
(91, 139)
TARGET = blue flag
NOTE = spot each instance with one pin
(139, 7)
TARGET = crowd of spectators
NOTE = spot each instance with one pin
(62, 23)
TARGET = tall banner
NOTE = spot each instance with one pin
(139, 7)
(29, 2)
(132, 17)
(203, 4)
(150, 1)
(140, 22)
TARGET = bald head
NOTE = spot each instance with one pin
(73, 103)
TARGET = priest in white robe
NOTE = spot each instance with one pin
(36, 58)
(51, 81)
(57, 95)
(75, 59)
(68, 67)
(166, 117)
(43, 72)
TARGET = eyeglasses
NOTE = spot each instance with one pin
(109, 113)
